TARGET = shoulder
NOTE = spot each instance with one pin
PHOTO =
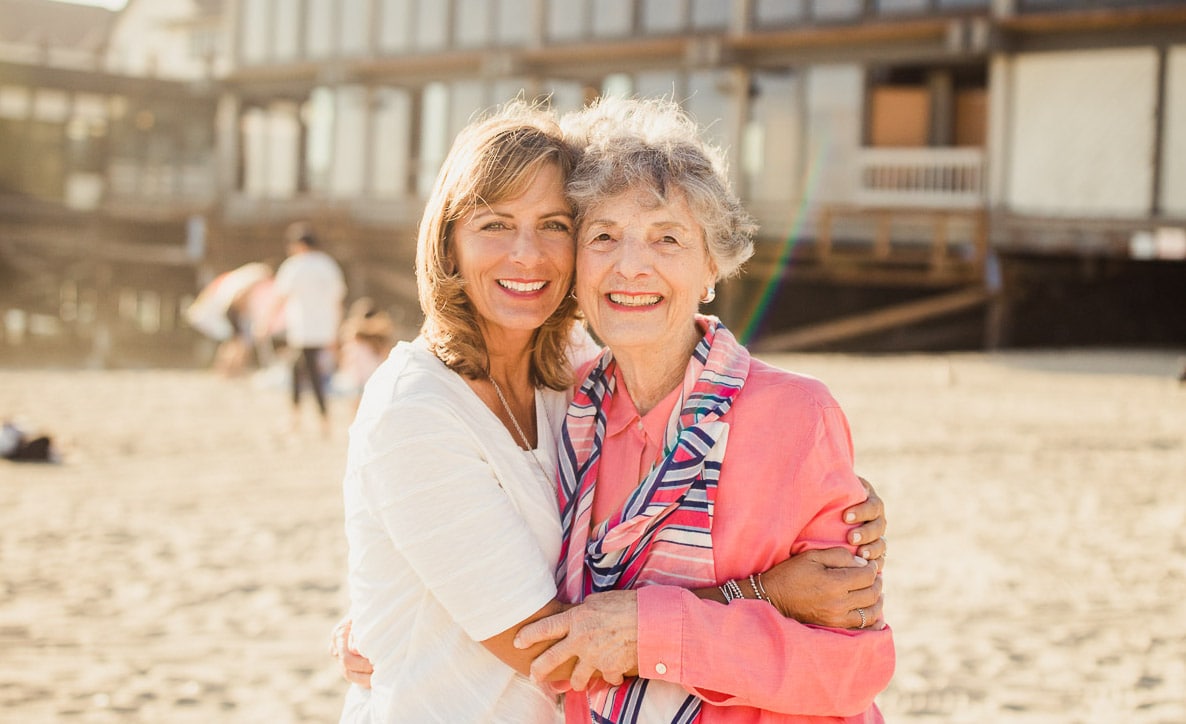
(775, 387)
(411, 392)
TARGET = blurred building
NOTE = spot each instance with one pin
(911, 162)
(107, 170)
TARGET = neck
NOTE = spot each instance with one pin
(510, 359)
(650, 374)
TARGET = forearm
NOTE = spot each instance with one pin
(748, 654)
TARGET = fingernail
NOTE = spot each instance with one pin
(519, 644)
(865, 554)
(856, 538)
(850, 517)
(860, 561)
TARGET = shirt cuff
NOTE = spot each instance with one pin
(661, 632)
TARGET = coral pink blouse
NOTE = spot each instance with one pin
(787, 476)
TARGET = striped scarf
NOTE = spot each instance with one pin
(663, 532)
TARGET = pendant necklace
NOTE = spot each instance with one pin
(522, 436)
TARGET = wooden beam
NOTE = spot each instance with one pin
(879, 320)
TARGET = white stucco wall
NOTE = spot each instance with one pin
(1173, 157)
(834, 97)
(150, 38)
(1082, 130)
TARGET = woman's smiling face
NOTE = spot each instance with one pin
(516, 256)
(642, 268)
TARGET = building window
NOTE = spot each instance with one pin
(394, 28)
(432, 24)
(921, 107)
(319, 25)
(664, 16)
(613, 18)
(473, 23)
(566, 19)
(257, 25)
(355, 30)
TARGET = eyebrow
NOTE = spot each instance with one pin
(485, 210)
(656, 225)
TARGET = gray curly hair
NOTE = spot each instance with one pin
(652, 143)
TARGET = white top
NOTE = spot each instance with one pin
(454, 536)
(313, 287)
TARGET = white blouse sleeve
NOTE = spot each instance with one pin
(428, 480)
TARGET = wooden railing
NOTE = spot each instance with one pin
(949, 178)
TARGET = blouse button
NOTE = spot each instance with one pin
(660, 668)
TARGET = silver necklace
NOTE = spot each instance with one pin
(522, 436)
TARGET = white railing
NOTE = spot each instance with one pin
(948, 178)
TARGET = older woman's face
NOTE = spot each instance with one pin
(642, 268)
(516, 256)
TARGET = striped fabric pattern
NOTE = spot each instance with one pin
(663, 532)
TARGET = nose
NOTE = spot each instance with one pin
(634, 257)
(527, 248)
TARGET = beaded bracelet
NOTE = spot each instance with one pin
(762, 588)
(731, 590)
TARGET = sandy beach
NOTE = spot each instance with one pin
(184, 563)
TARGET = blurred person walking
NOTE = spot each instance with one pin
(310, 286)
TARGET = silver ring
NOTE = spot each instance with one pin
(861, 612)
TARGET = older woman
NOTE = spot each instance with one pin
(451, 517)
(688, 463)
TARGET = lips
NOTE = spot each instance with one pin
(521, 287)
(634, 300)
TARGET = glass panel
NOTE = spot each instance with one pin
(836, 9)
(771, 156)
(663, 16)
(284, 135)
(659, 83)
(779, 12)
(618, 85)
(255, 152)
(393, 25)
(565, 95)
(350, 131)
(901, 6)
(710, 14)
(431, 30)
(393, 129)
(565, 19)
(507, 89)
(286, 23)
(467, 101)
(318, 115)
(434, 135)
(354, 38)
(515, 22)
(473, 23)
(319, 25)
(612, 18)
(253, 35)
(710, 103)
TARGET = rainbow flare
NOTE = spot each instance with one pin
(757, 313)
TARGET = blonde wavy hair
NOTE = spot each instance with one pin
(493, 159)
